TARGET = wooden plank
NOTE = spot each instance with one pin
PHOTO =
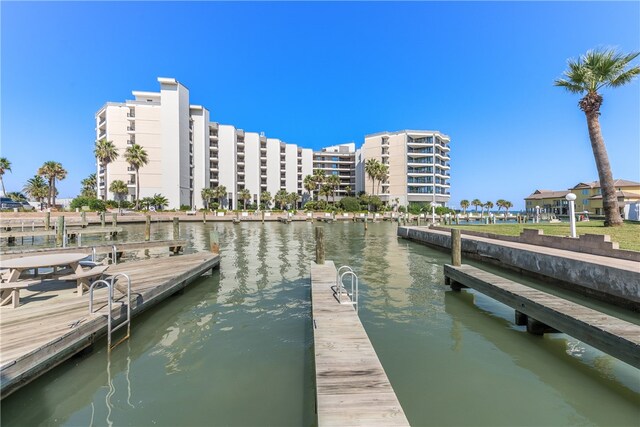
(40, 334)
(100, 249)
(352, 388)
(617, 337)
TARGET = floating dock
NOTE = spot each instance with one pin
(541, 311)
(352, 388)
(52, 323)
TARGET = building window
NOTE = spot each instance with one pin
(585, 192)
(585, 201)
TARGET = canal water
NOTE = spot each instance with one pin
(236, 348)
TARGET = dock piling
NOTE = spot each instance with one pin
(47, 221)
(204, 217)
(176, 228)
(83, 218)
(456, 247)
(102, 218)
(147, 228)
(60, 231)
(114, 220)
(320, 245)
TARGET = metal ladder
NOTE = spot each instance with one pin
(110, 287)
(346, 271)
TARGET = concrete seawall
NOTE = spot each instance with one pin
(612, 280)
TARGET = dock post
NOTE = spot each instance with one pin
(47, 221)
(83, 217)
(521, 318)
(147, 228)
(60, 231)
(262, 216)
(204, 217)
(456, 247)
(114, 220)
(418, 220)
(176, 228)
(102, 218)
(214, 241)
(320, 245)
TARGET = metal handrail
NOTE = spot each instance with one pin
(354, 289)
(114, 255)
(110, 286)
(338, 283)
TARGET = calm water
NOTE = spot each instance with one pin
(236, 348)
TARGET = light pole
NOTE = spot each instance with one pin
(572, 216)
(433, 212)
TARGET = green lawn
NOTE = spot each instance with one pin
(628, 235)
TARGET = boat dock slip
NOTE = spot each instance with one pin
(619, 338)
(352, 388)
(52, 322)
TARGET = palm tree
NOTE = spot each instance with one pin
(159, 201)
(586, 76)
(281, 198)
(5, 165)
(382, 174)
(325, 190)
(16, 196)
(36, 188)
(207, 194)
(489, 206)
(371, 169)
(119, 188)
(265, 199)
(292, 199)
(147, 202)
(105, 153)
(464, 204)
(52, 171)
(507, 205)
(500, 204)
(310, 184)
(137, 157)
(219, 193)
(333, 182)
(476, 203)
(245, 196)
(318, 177)
(89, 185)
(347, 189)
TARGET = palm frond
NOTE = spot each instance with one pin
(624, 77)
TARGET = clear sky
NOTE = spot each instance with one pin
(319, 74)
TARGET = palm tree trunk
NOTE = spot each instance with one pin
(4, 192)
(609, 200)
(53, 192)
(104, 181)
(137, 187)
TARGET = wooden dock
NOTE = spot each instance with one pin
(352, 388)
(100, 249)
(52, 232)
(619, 338)
(52, 323)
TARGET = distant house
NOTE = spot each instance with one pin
(588, 198)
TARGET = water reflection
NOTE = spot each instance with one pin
(236, 347)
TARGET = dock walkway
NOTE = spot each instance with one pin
(609, 334)
(53, 323)
(352, 388)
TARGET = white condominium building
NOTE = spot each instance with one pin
(418, 164)
(187, 152)
(338, 160)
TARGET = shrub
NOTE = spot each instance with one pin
(93, 203)
(185, 208)
(310, 205)
(402, 209)
(350, 204)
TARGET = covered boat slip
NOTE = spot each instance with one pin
(53, 323)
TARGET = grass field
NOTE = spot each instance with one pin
(628, 235)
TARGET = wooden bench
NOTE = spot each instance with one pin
(10, 291)
(86, 277)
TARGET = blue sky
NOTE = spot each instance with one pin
(319, 74)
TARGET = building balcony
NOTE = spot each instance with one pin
(131, 129)
(102, 135)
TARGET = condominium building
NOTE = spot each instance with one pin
(187, 152)
(339, 160)
(418, 163)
